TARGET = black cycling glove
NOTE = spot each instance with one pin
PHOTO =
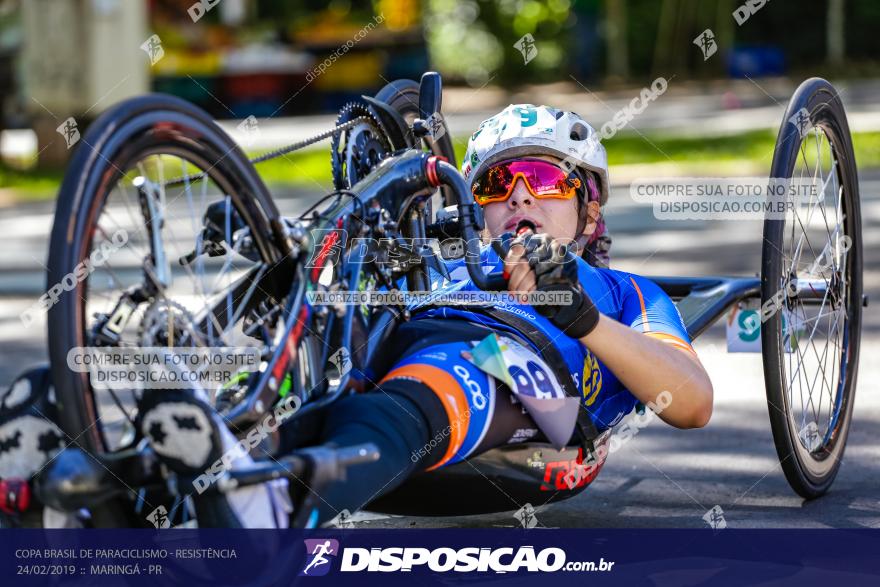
(556, 271)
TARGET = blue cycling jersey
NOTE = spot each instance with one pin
(627, 298)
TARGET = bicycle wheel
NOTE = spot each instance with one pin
(217, 215)
(403, 96)
(812, 278)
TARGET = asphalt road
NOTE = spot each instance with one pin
(663, 477)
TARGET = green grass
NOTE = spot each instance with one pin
(300, 168)
(311, 168)
(867, 148)
(755, 146)
(752, 148)
(29, 184)
(306, 168)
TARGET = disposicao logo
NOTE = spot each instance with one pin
(320, 553)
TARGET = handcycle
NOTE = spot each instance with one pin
(158, 166)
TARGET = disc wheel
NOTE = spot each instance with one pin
(811, 290)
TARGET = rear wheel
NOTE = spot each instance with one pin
(811, 291)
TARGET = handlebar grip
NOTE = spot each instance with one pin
(357, 454)
(496, 282)
(501, 245)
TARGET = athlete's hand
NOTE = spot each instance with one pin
(537, 262)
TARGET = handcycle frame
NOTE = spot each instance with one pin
(701, 302)
(527, 473)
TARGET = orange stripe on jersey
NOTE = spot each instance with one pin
(642, 304)
(673, 340)
(451, 395)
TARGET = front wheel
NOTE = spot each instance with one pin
(164, 236)
(811, 290)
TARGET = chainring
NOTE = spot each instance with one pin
(356, 151)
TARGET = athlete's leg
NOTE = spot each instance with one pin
(400, 418)
(482, 413)
(433, 408)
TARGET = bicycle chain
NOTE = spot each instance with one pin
(312, 140)
(285, 150)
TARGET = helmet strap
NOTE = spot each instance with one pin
(580, 238)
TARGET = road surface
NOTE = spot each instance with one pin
(663, 477)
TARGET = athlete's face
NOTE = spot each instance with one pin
(558, 218)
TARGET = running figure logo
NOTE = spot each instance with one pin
(526, 516)
(528, 47)
(715, 518)
(342, 360)
(159, 517)
(706, 42)
(801, 121)
(69, 131)
(319, 551)
(153, 48)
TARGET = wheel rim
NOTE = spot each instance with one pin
(815, 335)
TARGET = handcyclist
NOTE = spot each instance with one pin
(541, 172)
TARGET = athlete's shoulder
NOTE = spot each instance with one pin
(630, 283)
(647, 307)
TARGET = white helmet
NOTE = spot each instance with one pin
(526, 129)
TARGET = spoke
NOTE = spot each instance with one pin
(245, 299)
(196, 226)
(811, 211)
(197, 286)
(108, 268)
(227, 234)
(801, 379)
(822, 362)
(824, 187)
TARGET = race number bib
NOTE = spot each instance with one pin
(532, 382)
(523, 370)
(528, 374)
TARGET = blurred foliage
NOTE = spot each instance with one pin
(473, 40)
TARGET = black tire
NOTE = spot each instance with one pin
(403, 96)
(809, 453)
(125, 134)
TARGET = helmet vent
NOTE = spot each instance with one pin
(579, 131)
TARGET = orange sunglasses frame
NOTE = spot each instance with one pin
(576, 183)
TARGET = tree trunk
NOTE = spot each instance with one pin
(615, 34)
(835, 32)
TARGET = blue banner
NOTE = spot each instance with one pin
(423, 557)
